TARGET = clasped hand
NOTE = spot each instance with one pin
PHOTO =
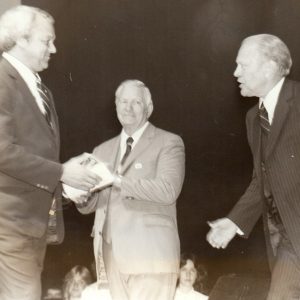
(221, 233)
(77, 175)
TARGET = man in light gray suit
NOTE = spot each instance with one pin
(135, 227)
(273, 130)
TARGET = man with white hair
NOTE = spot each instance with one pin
(30, 172)
(273, 129)
(135, 228)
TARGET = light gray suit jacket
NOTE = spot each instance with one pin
(142, 213)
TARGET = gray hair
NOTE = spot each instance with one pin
(136, 83)
(274, 49)
(17, 23)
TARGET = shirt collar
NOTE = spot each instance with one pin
(136, 135)
(28, 76)
(270, 101)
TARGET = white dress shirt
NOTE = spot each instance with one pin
(136, 137)
(191, 295)
(270, 101)
(29, 77)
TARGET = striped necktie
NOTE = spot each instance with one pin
(129, 143)
(264, 119)
(44, 94)
(266, 127)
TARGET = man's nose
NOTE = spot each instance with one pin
(237, 71)
(128, 106)
(52, 48)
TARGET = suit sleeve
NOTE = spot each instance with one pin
(166, 186)
(248, 209)
(15, 160)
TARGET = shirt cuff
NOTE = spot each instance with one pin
(239, 231)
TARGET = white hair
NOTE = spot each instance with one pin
(17, 23)
(274, 49)
(136, 83)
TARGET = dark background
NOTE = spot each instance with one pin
(184, 50)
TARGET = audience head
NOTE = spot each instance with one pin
(75, 282)
(133, 104)
(262, 61)
(28, 34)
(192, 273)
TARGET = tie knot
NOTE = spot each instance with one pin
(37, 78)
(263, 112)
(262, 107)
(264, 119)
(129, 141)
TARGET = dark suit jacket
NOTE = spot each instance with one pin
(142, 212)
(282, 164)
(29, 152)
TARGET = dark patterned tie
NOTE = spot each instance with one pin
(44, 94)
(264, 119)
(129, 143)
(266, 128)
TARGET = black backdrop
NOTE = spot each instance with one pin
(184, 50)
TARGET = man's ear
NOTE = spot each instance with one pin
(271, 68)
(149, 110)
(22, 42)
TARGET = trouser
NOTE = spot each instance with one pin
(284, 263)
(158, 286)
(285, 281)
(21, 264)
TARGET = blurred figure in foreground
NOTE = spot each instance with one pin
(191, 277)
(75, 281)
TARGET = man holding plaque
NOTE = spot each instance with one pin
(135, 229)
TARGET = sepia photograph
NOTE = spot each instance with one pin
(149, 150)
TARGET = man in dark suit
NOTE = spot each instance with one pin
(30, 174)
(135, 228)
(273, 130)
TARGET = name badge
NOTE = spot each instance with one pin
(138, 166)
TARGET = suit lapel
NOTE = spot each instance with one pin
(114, 157)
(139, 148)
(31, 102)
(280, 115)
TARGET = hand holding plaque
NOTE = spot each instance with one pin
(96, 166)
(101, 170)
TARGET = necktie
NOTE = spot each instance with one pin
(264, 119)
(129, 143)
(44, 94)
(265, 128)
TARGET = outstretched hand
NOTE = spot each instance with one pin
(221, 233)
